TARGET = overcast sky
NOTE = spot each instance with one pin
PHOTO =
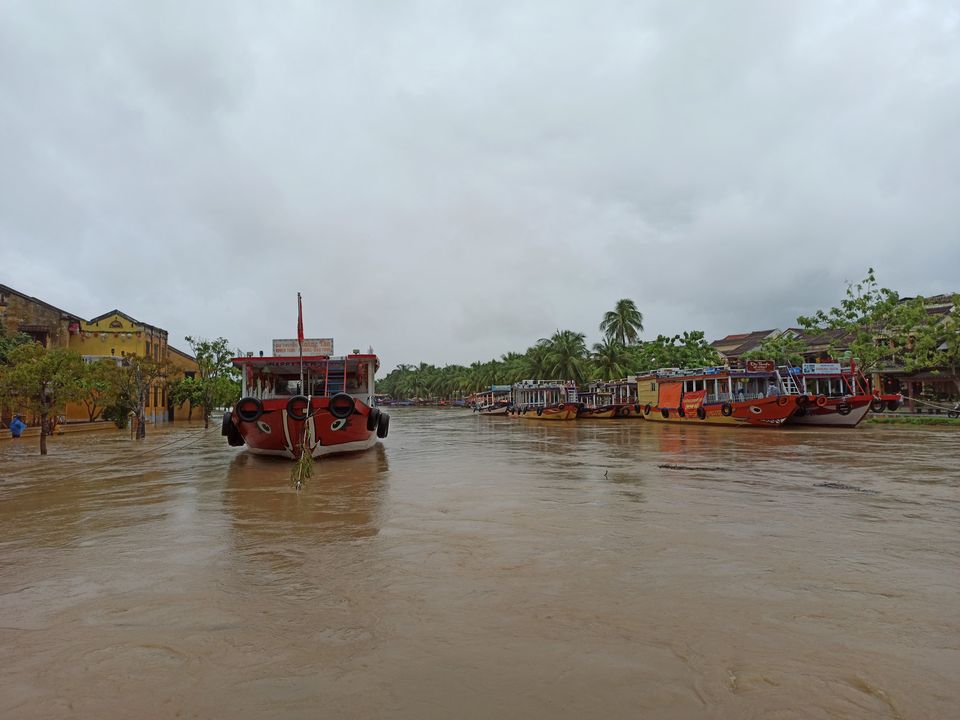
(448, 181)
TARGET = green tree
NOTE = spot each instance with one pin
(41, 381)
(610, 359)
(687, 350)
(219, 381)
(96, 381)
(783, 350)
(566, 355)
(927, 340)
(861, 323)
(129, 386)
(9, 342)
(185, 390)
(624, 323)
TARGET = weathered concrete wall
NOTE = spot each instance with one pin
(20, 313)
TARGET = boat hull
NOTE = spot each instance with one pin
(501, 411)
(601, 413)
(566, 411)
(275, 432)
(771, 412)
(835, 412)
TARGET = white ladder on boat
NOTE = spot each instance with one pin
(789, 384)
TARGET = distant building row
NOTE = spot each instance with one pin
(113, 334)
(931, 382)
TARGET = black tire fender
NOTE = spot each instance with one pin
(539, 412)
(701, 413)
(341, 405)
(234, 438)
(248, 409)
(647, 409)
(681, 412)
(298, 407)
(383, 425)
(373, 419)
(726, 409)
(877, 405)
(844, 408)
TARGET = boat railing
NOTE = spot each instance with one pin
(713, 399)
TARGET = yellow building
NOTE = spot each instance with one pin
(117, 335)
(188, 368)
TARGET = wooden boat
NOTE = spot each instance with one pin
(716, 396)
(321, 405)
(623, 395)
(838, 395)
(495, 401)
(544, 400)
(603, 412)
(595, 402)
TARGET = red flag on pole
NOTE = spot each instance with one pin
(299, 320)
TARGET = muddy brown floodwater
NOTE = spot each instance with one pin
(486, 568)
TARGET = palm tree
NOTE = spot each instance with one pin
(535, 365)
(566, 351)
(623, 323)
(611, 359)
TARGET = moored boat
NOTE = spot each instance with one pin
(495, 401)
(716, 396)
(317, 404)
(839, 396)
(596, 402)
(549, 400)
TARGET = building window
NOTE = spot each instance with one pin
(148, 348)
(146, 399)
(189, 375)
(156, 396)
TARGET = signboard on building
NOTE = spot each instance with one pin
(821, 368)
(760, 366)
(311, 346)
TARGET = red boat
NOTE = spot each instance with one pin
(716, 396)
(320, 404)
(838, 396)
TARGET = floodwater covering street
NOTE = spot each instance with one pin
(476, 567)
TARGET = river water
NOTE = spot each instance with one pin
(486, 567)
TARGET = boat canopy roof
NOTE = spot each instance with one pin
(704, 372)
(286, 364)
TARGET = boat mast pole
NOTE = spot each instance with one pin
(300, 337)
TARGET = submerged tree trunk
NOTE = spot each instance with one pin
(43, 434)
(141, 423)
(206, 417)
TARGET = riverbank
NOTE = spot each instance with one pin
(912, 420)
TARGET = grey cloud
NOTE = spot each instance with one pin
(449, 182)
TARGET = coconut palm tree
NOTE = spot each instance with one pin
(611, 359)
(623, 323)
(566, 354)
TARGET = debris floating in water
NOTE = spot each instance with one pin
(690, 467)
(843, 486)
